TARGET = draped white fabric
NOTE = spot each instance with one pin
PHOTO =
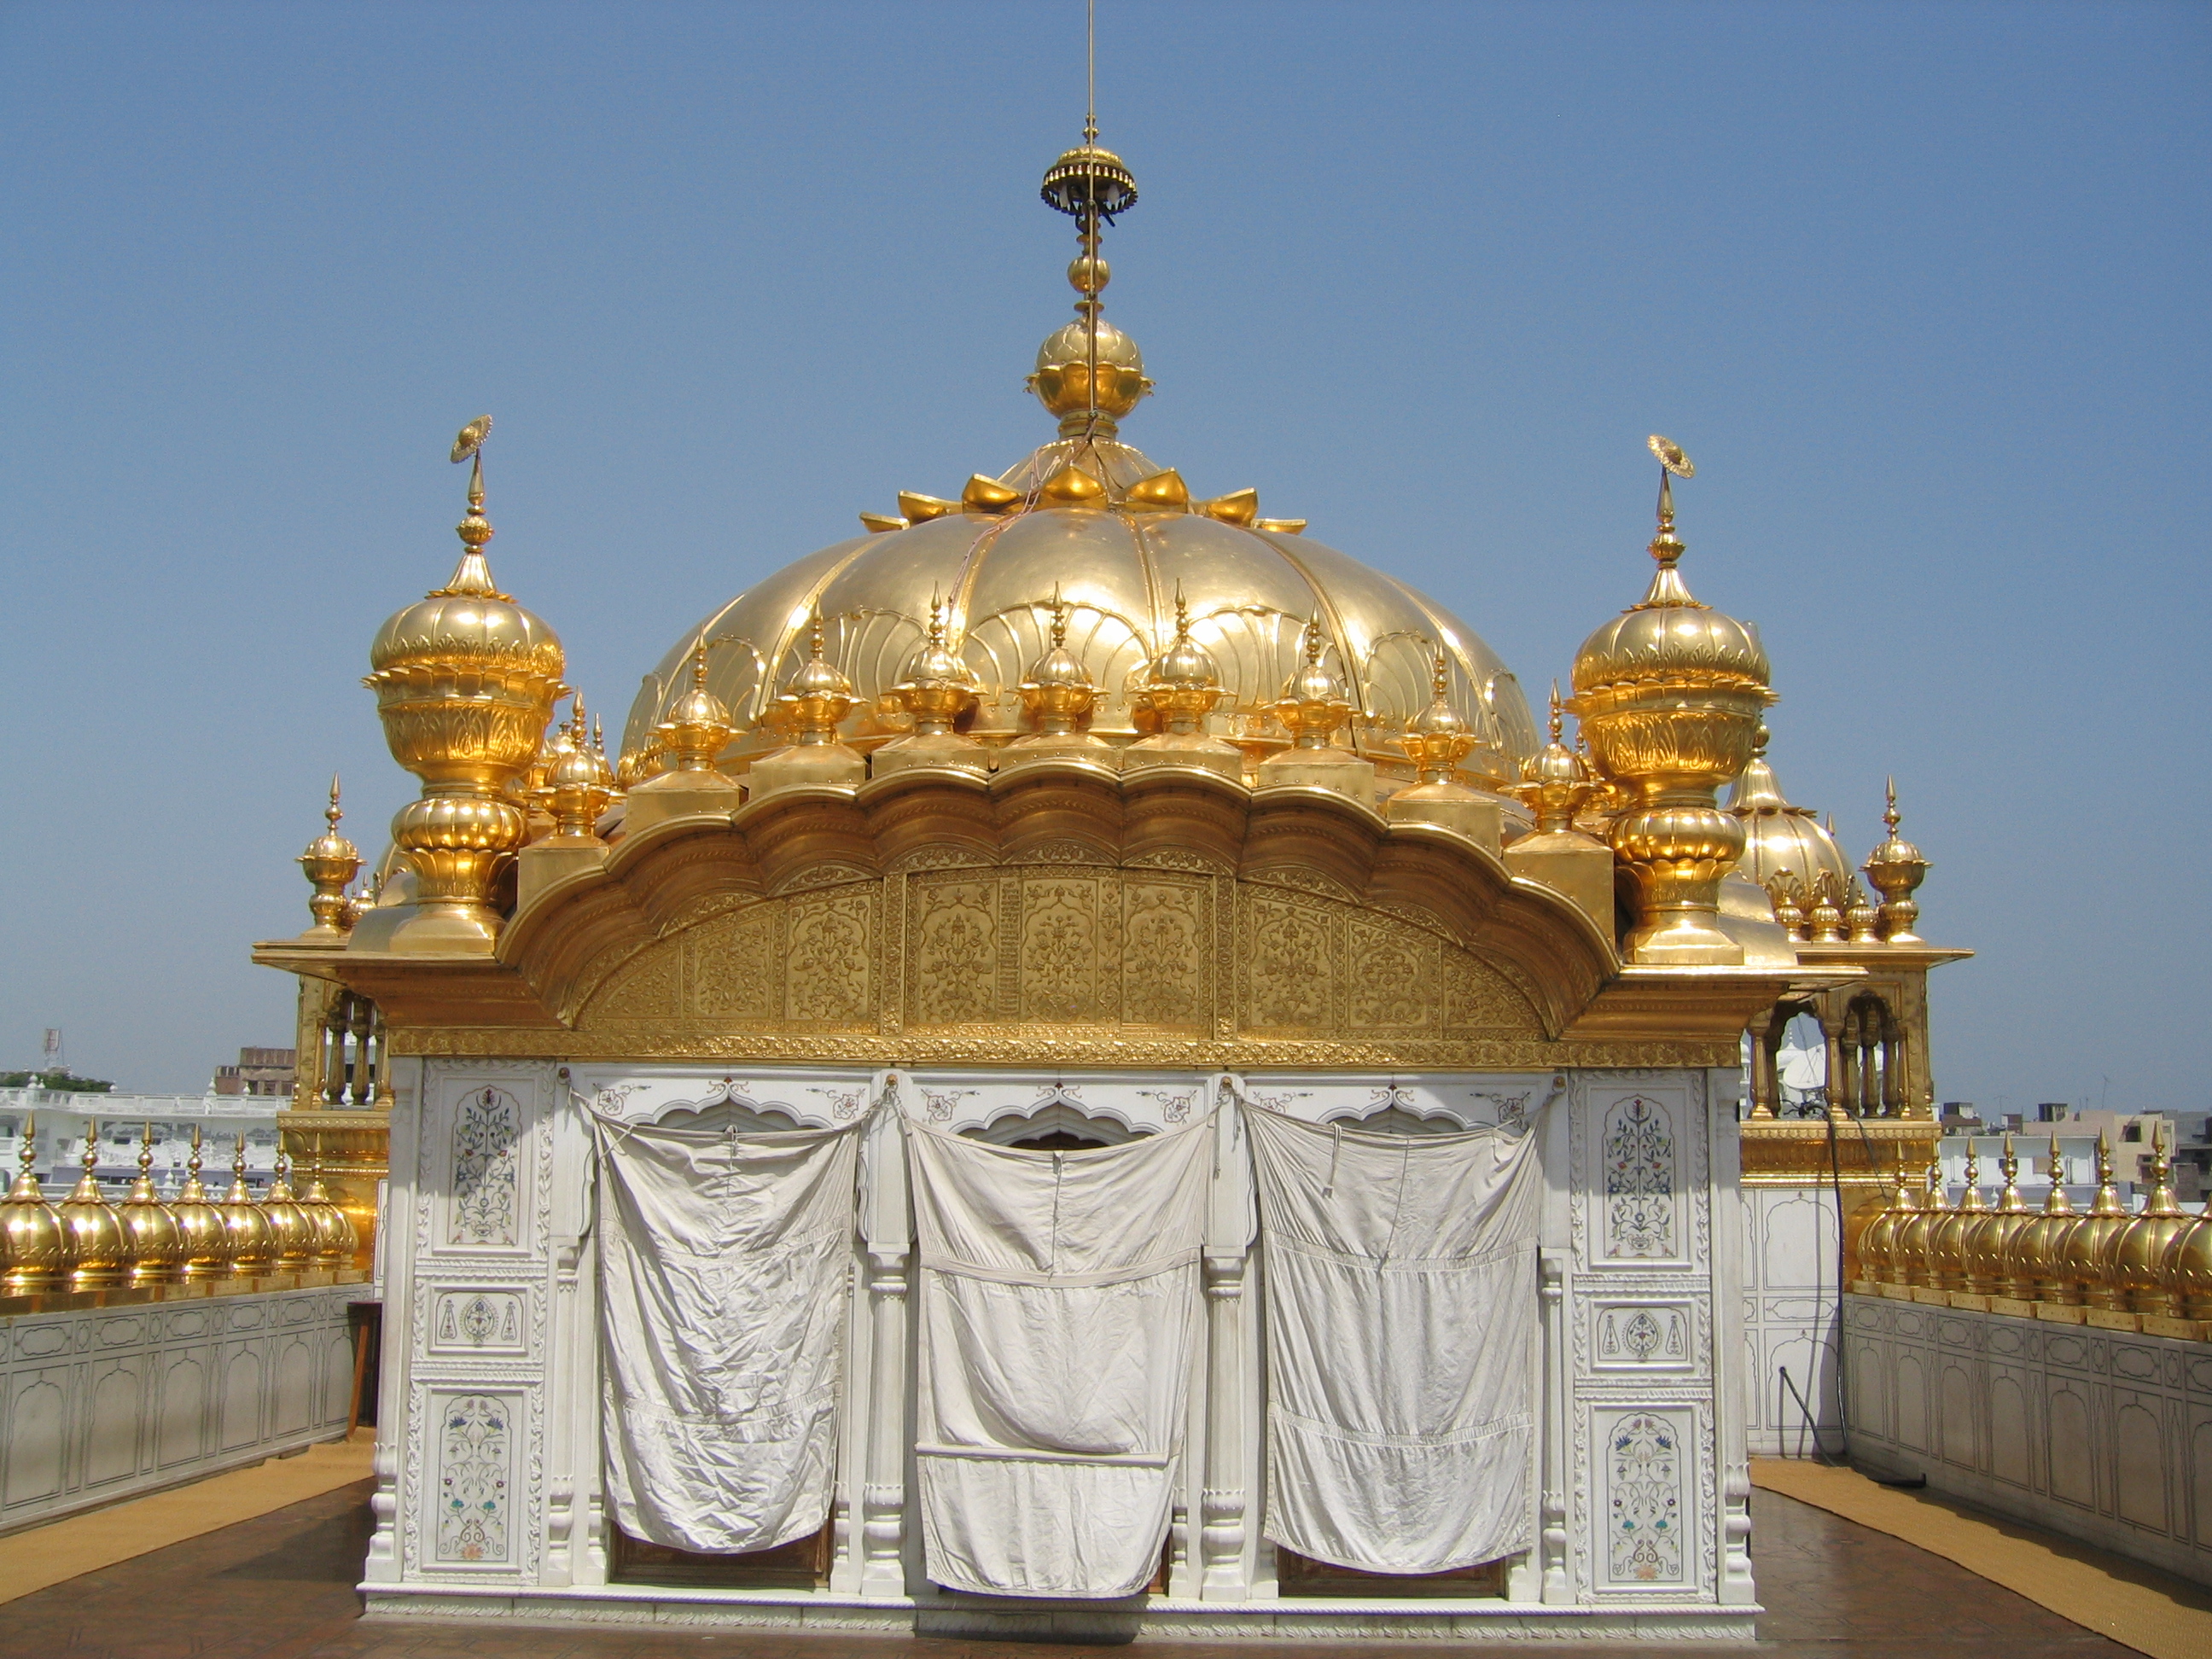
(1059, 1316)
(1401, 1330)
(724, 1273)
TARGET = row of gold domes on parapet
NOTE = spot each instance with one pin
(2149, 1270)
(1071, 484)
(85, 1244)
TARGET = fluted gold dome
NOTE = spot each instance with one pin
(1250, 592)
(1777, 836)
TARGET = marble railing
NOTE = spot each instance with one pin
(2101, 1434)
(105, 1396)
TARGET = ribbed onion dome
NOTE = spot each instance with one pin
(468, 617)
(1251, 591)
(1778, 835)
(1670, 635)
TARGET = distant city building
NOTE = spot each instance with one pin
(258, 1072)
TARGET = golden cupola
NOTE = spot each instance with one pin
(1119, 534)
(1786, 850)
(1669, 695)
(466, 680)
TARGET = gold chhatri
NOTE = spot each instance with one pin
(1670, 694)
(465, 681)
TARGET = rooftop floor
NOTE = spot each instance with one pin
(280, 1587)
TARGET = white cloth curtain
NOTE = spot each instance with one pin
(1059, 1316)
(1401, 1330)
(724, 1278)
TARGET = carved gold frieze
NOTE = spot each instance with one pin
(1099, 952)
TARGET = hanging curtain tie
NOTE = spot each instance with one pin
(1335, 1150)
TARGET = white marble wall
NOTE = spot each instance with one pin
(1792, 1314)
(2102, 1435)
(489, 1461)
(102, 1403)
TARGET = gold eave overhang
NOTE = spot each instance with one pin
(1248, 861)
(1875, 958)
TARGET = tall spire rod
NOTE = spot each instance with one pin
(1090, 70)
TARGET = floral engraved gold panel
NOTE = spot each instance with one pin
(1479, 999)
(826, 977)
(1165, 927)
(1067, 954)
(729, 965)
(642, 988)
(1394, 977)
(953, 934)
(1290, 964)
(1061, 954)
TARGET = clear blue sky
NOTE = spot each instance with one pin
(1922, 288)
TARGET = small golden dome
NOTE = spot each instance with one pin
(95, 1231)
(1909, 1252)
(152, 1243)
(1183, 681)
(1989, 1245)
(206, 1245)
(817, 696)
(464, 646)
(251, 1240)
(2137, 1262)
(1669, 639)
(1876, 1240)
(1058, 691)
(698, 723)
(34, 1246)
(289, 1225)
(1896, 869)
(939, 687)
(2034, 1264)
(1313, 704)
(1947, 1238)
(2188, 1268)
(2089, 1241)
(334, 1235)
(1779, 837)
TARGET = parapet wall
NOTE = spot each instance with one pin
(2104, 1436)
(103, 1402)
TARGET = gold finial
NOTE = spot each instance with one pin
(1558, 717)
(331, 863)
(473, 574)
(1091, 186)
(1897, 868)
(1667, 548)
(579, 786)
(1059, 695)
(697, 725)
(1314, 702)
(2055, 1200)
(817, 696)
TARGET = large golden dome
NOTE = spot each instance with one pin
(1116, 563)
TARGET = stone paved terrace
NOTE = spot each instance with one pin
(280, 1587)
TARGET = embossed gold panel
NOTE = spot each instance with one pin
(1093, 953)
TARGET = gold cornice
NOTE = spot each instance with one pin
(993, 1045)
(1507, 943)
